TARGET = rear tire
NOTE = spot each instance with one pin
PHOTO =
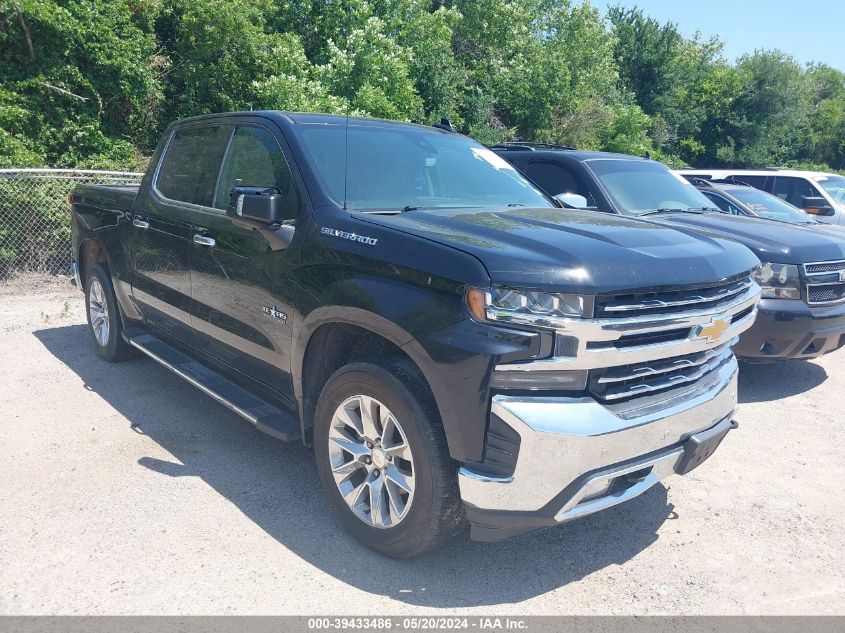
(392, 483)
(104, 322)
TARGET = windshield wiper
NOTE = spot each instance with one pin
(698, 211)
(409, 207)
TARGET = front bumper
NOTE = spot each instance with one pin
(789, 328)
(577, 456)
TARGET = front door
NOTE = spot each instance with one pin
(241, 294)
(163, 227)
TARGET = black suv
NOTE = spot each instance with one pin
(451, 343)
(802, 314)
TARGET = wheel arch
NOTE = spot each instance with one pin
(335, 336)
(90, 253)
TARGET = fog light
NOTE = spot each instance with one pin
(537, 379)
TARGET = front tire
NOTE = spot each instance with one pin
(104, 323)
(382, 458)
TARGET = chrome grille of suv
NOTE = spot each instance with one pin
(825, 282)
(618, 383)
(648, 303)
(827, 293)
(823, 267)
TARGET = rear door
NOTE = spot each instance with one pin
(164, 226)
(243, 299)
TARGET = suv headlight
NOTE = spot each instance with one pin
(779, 281)
(530, 307)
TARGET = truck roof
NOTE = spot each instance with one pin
(540, 150)
(294, 118)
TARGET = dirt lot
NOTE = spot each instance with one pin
(126, 491)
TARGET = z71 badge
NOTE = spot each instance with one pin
(274, 313)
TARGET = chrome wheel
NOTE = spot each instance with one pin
(371, 461)
(98, 312)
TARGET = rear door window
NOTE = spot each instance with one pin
(794, 190)
(190, 167)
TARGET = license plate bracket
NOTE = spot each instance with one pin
(699, 447)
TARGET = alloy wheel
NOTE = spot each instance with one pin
(371, 461)
(98, 312)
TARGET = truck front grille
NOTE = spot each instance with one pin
(825, 293)
(824, 267)
(637, 345)
(652, 303)
(627, 381)
(825, 282)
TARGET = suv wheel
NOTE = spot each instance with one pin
(103, 316)
(382, 458)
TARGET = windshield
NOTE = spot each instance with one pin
(768, 206)
(639, 186)
(835, 187)
(394, 168)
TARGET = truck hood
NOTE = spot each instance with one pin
(770, 240)
(577, 251)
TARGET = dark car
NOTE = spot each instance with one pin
(451, 343)
(802, 314)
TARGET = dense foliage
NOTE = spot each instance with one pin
(92, 82)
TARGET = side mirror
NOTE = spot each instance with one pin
(262, 205)
(572, 200)
(817, 206)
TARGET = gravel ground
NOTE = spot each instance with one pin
(127, 491)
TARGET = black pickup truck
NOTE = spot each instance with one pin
(453, 344)
(802, 313)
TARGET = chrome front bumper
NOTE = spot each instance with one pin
(570, 448)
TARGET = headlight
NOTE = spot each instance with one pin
(524, 306)
(779, 281)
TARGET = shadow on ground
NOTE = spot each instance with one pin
(276, 486)
(763, 382)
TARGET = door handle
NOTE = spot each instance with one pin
(138, 223)
(204, 240)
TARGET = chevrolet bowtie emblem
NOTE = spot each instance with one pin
(712, 331)
(842, 275)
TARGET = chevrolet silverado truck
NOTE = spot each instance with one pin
(802, 313)
(454, 346)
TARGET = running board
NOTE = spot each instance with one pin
(266, 417)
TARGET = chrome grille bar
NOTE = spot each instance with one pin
(705, 297)
(667, 381)
(665, 366)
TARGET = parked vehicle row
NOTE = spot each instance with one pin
(456, 341)
(802, 313)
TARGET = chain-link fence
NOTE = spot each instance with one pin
(35, 216)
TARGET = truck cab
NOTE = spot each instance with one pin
(453, 345)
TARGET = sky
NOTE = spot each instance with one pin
(809, 30)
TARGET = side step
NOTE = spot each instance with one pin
(266, 417)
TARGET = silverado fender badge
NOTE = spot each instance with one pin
(274, 313)
(712, 331)
(345, 235)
